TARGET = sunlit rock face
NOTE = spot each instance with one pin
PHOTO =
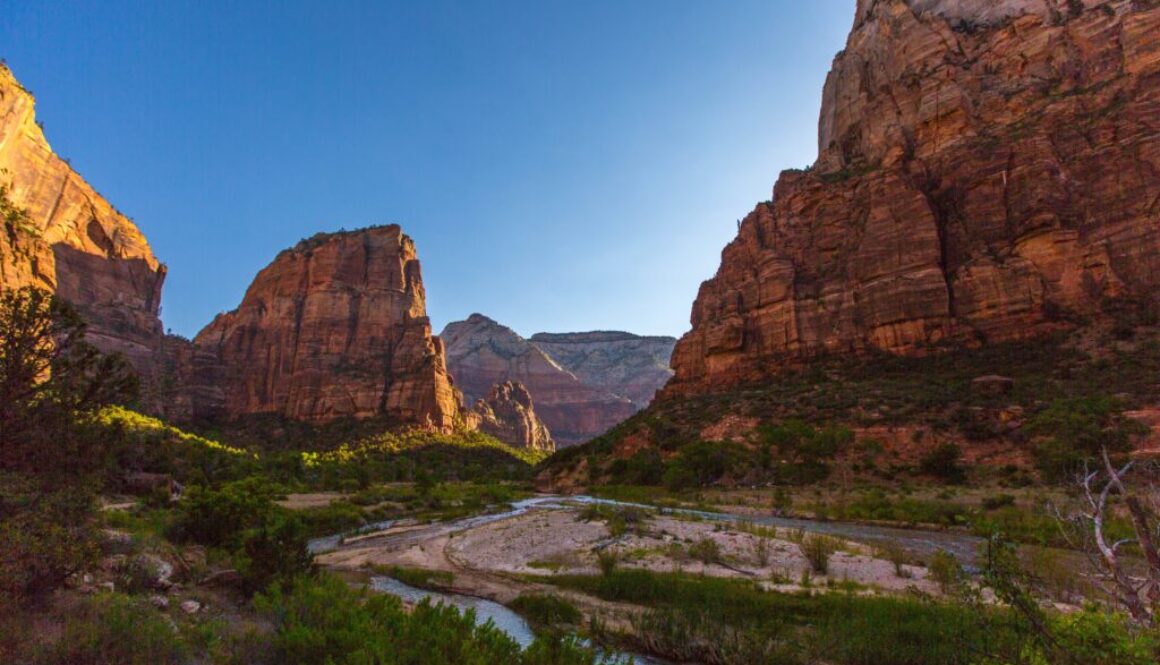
(632, 366)
(72, 241)
(482, 353)
(335, 327)
(988, 170)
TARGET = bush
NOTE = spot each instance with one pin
(218, 518)
(895, 554)
(276, 552)
(547, 611)
(943, 463)
(817, 550)
(1073, 431)
(706, 550)
(946, 571)
(322, 620)
(761, 551)
(998, 501)
(40, 549)
(607, 560)
(113, 629)
(421, 578)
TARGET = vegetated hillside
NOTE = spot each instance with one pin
(1005, 411)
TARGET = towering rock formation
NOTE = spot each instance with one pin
(335, 327)
(507, 413)
(987, 170)
(482, 353)
(621, 363)
(70, 240)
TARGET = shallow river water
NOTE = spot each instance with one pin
(918, 542)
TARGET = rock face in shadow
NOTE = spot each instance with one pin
(335, 327)
(988, 170)
(482, 353)
(71, 241)
(507, 413)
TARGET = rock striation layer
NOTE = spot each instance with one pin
(988, 170)
(335, 327)
(507, 413)
(624, 364)
(482, 353)
(68, 239)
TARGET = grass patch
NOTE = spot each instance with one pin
(547, 611)
(420, 578)
(734, 621)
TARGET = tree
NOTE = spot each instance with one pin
(51, 450)
(1102, 488)
(49, 373)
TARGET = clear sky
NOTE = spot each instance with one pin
(562, 166)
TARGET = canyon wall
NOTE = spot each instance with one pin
(482, 353)
(508, 414)
(988, 170)
(335, 327)
(624, 364)
(59, 234)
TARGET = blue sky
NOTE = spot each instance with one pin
(562, 166)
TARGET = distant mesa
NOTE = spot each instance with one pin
(582, 383)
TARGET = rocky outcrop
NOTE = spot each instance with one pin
(988, 170)
(507, 413)
(335, 327)
(621, 363)
(482, 353)
(60, 234)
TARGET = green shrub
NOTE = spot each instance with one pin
(895, 554)
(817, 549)
(40, 548)
(706, 550)
(421, 578)
(275, 552)
(218, 518)
(943, 462)
(1073, 431)
(113, 629)
(946, 571)
(716, 620)
(547, 611)
(998, 501)
(321, 620)
(607, 559)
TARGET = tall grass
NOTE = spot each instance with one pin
(724, 621)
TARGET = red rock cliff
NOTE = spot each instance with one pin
(335, 327)
(507, 413)
(482, 353)
(987, 169)
(72, 241)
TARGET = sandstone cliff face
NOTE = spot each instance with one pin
(73, 241)
(987, 170)
(335, 327)
(507, 413)
(624, 364)
(482, 353)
